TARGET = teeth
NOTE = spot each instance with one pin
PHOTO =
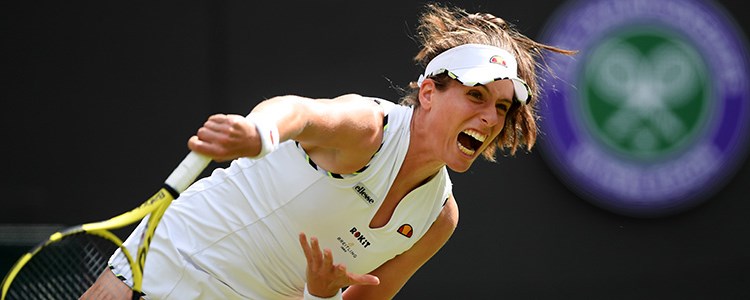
(480, 137)
(465, 150)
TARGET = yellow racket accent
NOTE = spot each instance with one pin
(156, 206)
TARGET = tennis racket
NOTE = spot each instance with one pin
(71, 260)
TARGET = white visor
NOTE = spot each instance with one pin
(478, 64)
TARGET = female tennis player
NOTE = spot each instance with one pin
(345, 197)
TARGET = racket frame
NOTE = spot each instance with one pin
(178, 181)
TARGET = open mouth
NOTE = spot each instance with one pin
(469, 141)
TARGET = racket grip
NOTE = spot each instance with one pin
(187, 171)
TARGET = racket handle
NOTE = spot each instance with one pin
(187, 171)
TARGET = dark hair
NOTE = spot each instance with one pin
(441, 28)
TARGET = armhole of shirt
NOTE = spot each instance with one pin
(386, 111)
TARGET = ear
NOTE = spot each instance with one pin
(425, 93)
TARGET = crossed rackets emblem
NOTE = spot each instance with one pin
(645, 89)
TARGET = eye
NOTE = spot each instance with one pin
(475, 94)
(502, 106)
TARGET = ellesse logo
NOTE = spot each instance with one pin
(364, 193)
(406, 230)
(497, 59)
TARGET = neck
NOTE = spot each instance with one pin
(421, 161)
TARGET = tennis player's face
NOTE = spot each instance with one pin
(473, 117)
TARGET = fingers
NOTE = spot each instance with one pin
(327, 258)
(363, 279)
(221, 125)
(215, 151)
(316, 259)
(356, 279)
(225, 137)
(206, 136)
(200, 146)
(325, 276)
(306, 248)
(315, 251)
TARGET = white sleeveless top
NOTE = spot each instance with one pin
(234, 234)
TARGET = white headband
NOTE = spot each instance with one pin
(478, 64)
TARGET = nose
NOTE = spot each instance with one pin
(489, 115)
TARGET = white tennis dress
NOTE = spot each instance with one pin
(234, 234)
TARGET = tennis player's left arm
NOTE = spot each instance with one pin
(396, 272)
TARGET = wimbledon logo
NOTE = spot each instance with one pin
(651, 117)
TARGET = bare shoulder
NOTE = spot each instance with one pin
(353, 110)
(343, 132)
(360, 117)
(357, 103)
(351, 97)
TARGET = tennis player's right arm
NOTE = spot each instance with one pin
(346, 124)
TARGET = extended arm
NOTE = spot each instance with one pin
(339, 130)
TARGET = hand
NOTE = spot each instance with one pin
(226, 137)
(324, 278)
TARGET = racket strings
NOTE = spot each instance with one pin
(64, 269)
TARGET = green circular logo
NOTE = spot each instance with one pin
(652, 116)
(644, 95)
